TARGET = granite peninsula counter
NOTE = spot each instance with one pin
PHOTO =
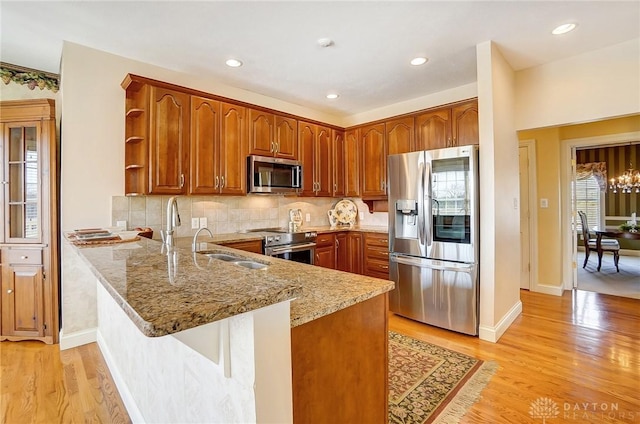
(164, 293)
(188, 338)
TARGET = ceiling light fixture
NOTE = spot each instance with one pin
(332, 96)
(417, 61)
(325, 42)
(563, 29)
(233, 63)
(627, 182)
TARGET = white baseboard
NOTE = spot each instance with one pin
(493, 334)
(545, 289)
(123, 390)
(78, 338)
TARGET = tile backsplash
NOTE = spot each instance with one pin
(229, 214)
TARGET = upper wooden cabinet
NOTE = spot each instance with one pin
(169, 141)
(339, 163)
(316, 155)
(465, 124)
(448, 127)
(272, 135)
(373, 176)
(433, 130)
(218, 147)
(399, 135)
(352, 162)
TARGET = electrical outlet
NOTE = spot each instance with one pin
(361, 216)
(308, 217)
(121, 224)
(203, 222)
(195, 223)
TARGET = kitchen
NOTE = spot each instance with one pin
(104, 123)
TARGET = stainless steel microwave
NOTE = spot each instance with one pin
(273, 175)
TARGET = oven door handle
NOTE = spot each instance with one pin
(291, 248)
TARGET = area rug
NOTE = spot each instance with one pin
(431, 384)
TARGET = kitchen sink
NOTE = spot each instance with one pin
(223, 257)
(236, 260)
(250, 264)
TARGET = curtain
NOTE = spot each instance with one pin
(598, 170)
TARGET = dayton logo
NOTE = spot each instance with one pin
(544, 408)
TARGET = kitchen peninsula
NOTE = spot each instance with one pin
(189, 338)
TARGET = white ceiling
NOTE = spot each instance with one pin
(277, 41)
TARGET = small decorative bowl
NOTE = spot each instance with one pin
(127, 235)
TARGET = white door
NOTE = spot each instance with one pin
(525, 260)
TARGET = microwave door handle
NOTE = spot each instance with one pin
(296, 177)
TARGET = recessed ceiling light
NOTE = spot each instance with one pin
(325, 42)
(234, 63)
(417, 61)
(332, 96)
(563, 29)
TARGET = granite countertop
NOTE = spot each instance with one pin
(165, 294)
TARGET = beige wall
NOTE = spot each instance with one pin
(500, 194)
(589, 87)
(548, 144)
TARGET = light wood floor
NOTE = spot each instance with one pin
(581, 348)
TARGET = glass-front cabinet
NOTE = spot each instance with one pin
(29, 300)
(21, 183)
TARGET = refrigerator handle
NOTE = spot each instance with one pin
(430, 265)
(427, 205)
(422, 203)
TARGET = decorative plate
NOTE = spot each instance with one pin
(345, 212)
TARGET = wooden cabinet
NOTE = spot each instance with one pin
(272, 135)
(399, 135)
(254, 246)
(448, 127)
(338, 160)
(156, 138)
(316, 155)
(464, 127)
(326, 251)
(23, 309)
(339, 366)
(29, 301)
(352, 162)
(218, 148)
(343, 252)
(169, 141)
(376, 255)
(354, 256)
(373, 176)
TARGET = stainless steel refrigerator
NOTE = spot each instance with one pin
(434, 237)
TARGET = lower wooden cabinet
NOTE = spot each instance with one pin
(354, 255)
(23, 295)
(376, 255)
(336, 380)
(326, 251)
(254, 246)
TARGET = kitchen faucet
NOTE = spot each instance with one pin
(173, 220)
(195, 236)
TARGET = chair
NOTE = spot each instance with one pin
(608, 245)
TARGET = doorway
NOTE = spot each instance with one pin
(607, 280)
(528, 215)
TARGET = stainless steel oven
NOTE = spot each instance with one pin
(298, 247)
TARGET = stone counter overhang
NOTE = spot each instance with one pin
(168, 293)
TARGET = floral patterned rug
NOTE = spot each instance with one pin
(428, 383)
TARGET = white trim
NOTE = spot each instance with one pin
(78, 338)
(123, 390)
(553, 290)
(569, 274)
(533, 213)
(492, 334)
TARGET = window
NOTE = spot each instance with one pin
(588, 199)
